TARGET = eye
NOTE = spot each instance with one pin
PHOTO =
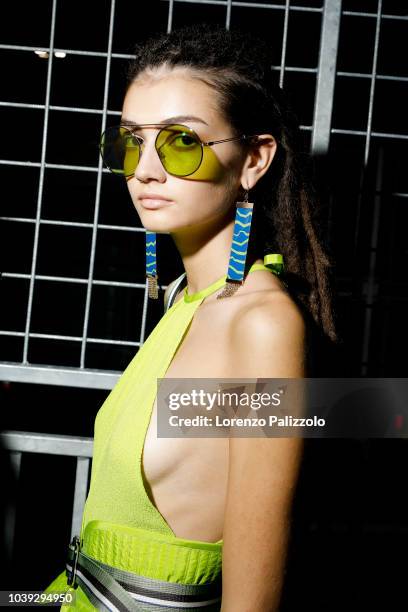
(186, 140)
(132, 140)
(183, 141)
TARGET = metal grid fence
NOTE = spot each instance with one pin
(330, 19)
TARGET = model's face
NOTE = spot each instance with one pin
(203, 197)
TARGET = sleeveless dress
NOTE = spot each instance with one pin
(121, 526)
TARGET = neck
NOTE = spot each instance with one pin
(205, 251)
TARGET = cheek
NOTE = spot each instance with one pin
(211, 168)
(133, 195)
(212, 195)
(205, 201)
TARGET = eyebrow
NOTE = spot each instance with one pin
(168, 121)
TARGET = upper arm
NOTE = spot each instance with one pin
(269, 342)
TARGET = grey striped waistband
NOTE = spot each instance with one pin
(113, 589)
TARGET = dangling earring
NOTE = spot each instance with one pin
(239, 247)
(151, 265)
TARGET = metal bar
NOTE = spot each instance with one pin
(326, 77)
(170, 16)
(67, 51)
(51, 444)
(261, 5)
(368, 136)
(144, 314)
(371, 287)
(284, 44)
(373, 134)
(372, 84)
(80, 492)
(40, 185)
(98, 187)
(9, 528)
(60, 376)
(75, 280)
(11, 507)
(22, 105)
(379, 77)
(46, 221)
(228, 15)
(117, 342)
(121, 228)
(70, 109)
(374, 15)
(28, 164)
(106, 341)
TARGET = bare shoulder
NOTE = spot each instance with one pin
(268, 312)
(267, 335)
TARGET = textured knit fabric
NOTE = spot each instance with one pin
(120, 525)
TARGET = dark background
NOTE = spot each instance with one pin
(350, 526)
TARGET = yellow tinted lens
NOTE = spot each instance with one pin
(120, 150)
(179, 149)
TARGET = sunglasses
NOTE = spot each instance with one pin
(179, 148)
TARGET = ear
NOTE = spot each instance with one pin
(258, 160)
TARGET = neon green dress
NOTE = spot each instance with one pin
(121, 527)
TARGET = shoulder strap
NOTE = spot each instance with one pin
(174, 288)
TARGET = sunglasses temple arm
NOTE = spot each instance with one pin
(213, 142)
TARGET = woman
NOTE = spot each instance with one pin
(204, 142)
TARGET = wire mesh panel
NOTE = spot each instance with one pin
(74, 293)
(368, 146)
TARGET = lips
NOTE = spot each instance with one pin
(153, 201)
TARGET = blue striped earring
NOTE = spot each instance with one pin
(151, 265)
(239, 247)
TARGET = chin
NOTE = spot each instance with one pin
(153, 223)
(159, 228)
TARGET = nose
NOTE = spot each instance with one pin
(149, 167)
